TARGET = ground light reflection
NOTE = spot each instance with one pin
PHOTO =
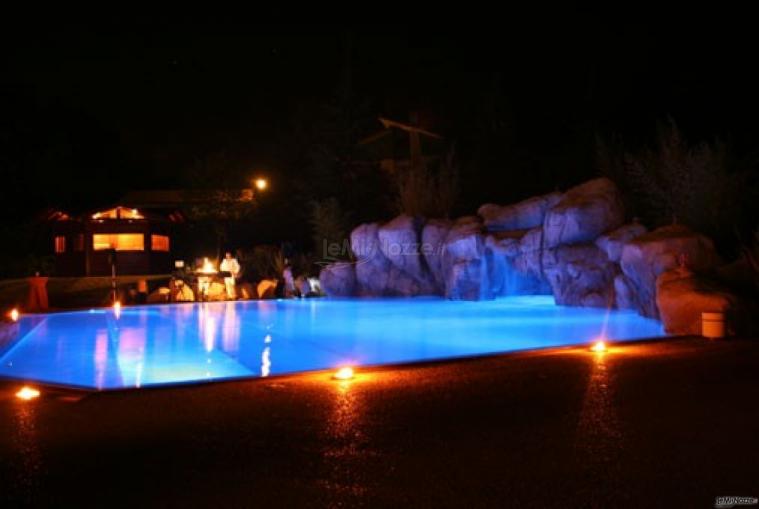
(346, 451)
(26, 441)
(599, 438)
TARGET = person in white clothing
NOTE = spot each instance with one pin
(231, 265)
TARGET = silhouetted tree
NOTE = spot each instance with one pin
(675, 181)
(338, 179)
(330, 225)
(429, 192)
(217, 196)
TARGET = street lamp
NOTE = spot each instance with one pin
(261, 184)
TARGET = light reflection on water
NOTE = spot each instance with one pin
(266, 362)
(148, 345)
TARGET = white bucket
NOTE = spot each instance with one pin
(713, 325)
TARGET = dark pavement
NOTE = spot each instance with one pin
(673, 423)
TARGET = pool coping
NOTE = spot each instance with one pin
(361, 368)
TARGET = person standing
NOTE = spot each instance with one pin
(287, 276)
(142, 291)
(231, 265)
(303, 286)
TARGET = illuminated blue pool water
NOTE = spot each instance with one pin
(152, 345)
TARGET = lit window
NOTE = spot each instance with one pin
(118, 213)
(60, 244)
(159, 242)
(118, 241)
(79, 242)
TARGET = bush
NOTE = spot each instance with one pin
(263, 262)
(751, 255)
(676, 182)
(329, 225)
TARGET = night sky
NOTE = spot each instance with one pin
(90, 111)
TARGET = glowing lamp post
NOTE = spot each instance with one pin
(261, 184)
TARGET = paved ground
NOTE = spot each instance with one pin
(666, 424)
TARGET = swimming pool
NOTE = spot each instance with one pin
(154, 345)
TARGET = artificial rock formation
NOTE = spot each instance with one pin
(515, 267)
(372, 269)
(681, 297)
(613, 242)
(583, 213)
(434, 234)
(580, 275)
(505, 250)
(398, 240)
(388, 260)
(464, 261)
(338, 279)
(648, 255)
(574, 246)
(520, 216)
